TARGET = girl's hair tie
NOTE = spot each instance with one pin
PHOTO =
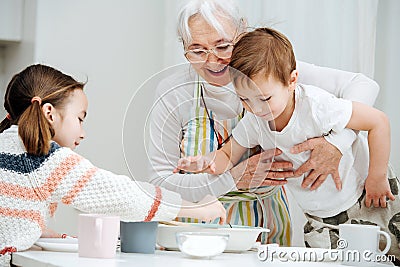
(8, 116)
(36, 98)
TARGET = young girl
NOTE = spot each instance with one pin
(46, 110)
(283, 113)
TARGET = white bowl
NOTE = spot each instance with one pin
(201, 244)
(241, 238)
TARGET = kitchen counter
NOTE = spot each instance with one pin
(160, 258)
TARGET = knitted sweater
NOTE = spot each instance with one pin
(30, 184)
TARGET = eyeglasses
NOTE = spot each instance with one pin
(222, 51)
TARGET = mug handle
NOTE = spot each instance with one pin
(388, 242)
(98, 224)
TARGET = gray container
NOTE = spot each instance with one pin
(138, 237)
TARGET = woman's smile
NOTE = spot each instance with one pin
(218, 72)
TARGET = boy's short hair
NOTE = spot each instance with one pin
(263, 50)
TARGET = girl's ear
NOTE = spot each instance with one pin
(49, 112)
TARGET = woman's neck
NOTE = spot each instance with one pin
(222, 100)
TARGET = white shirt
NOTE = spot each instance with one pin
(174, 99)
(317, 113)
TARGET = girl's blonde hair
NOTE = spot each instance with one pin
(51, 86)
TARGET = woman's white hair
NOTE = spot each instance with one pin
(209, 10)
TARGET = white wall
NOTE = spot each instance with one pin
(388, 68)
(10, 20)
(18, 55)
(16, 44)
(116, 47)
(17, 28)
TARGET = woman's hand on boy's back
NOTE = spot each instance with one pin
(262, 170)
(324, 160)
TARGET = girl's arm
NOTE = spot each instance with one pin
(95, 190)
(377, 124)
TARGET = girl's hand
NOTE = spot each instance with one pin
(196, 164)
(212, 209)
(207, 210)
(49, 233)
(377, 191)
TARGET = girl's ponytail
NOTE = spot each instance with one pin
(23, 101)
(34, 129)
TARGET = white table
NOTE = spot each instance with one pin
(160, 258)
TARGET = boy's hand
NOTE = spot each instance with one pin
(377, 191)
(196, 164)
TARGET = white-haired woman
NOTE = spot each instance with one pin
(196, 109)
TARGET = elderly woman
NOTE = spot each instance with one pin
(196, 109)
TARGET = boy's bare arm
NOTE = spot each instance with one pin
(216, 162)
(377, 124)
(228, 156)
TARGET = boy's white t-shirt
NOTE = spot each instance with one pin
(175, 98)
(317, 113)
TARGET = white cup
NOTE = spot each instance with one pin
(97, 235)
(360, 244)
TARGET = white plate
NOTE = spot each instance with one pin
(241, 238)
(58, 244)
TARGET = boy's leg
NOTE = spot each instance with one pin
(323, 232)
(318, 233)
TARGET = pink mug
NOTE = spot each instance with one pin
(97, 235)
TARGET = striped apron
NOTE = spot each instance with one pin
(265, 206)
